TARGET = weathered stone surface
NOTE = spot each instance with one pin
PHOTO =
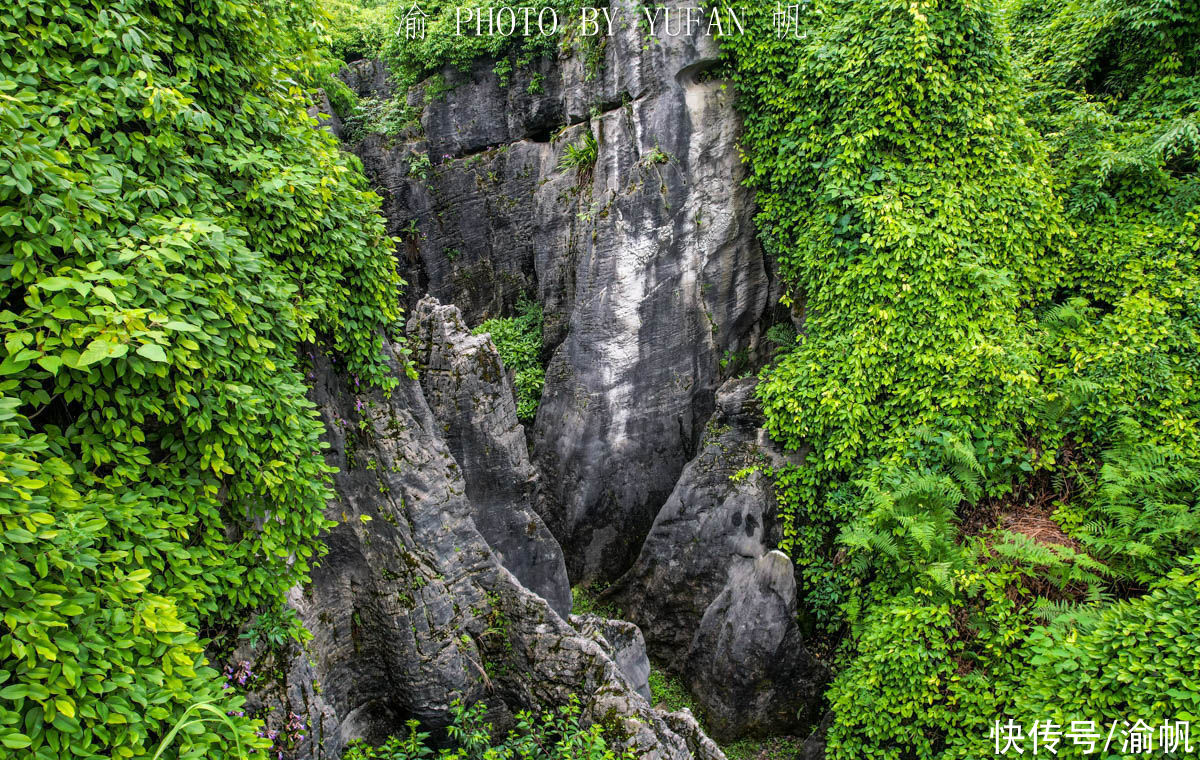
(469, 225)
(368, 79)
(410, 609)
(654, 291)
(684, 724)
(624, 644)
(715, 603)
(666, 279)
(711, 524)
(646, 263)
(747, 665)
(326, 117)
(471, 395)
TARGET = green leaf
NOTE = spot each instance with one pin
(96, 350)
(105, 293)
(49, 363)
(55, 283)
(16, 691)
(153, 352)
(16, 741)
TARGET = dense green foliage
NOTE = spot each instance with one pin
(172, 231)
(987, 214)
(358, 28)
(518, 339)
(908, 206)
(555, 735)
(412, 59)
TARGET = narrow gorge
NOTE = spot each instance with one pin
(461, 530)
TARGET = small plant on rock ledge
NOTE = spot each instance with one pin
(519, 342)
(419, 166)
(581, 157)
(656, 156)
(668, 692)
(585, 600)
(275, 628)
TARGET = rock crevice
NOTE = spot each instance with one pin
(448, 575)
(646, 262)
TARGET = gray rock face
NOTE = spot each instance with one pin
(814, 746)
(624, 644)
(654, 290)
(714, 601)
(645, 262)
(471, 395)
(368, 79)
(411, 609)
(710, 525)
(668, 281)
(747, 665)
(326, 117)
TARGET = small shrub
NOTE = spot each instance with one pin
(519, 341)
(419, 166)
(656, 156)
(581, 156)
(275, 628)
(390, 117)
(585, 601)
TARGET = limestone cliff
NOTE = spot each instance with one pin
(460, 531)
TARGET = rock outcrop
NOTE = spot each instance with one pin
(715, 603)
(471, 395)
(747, 664)
(645, 261)
(411, 609)
(623, 642)
(712, 523)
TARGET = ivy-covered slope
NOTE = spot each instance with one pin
(986, 214)
(172, 231)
